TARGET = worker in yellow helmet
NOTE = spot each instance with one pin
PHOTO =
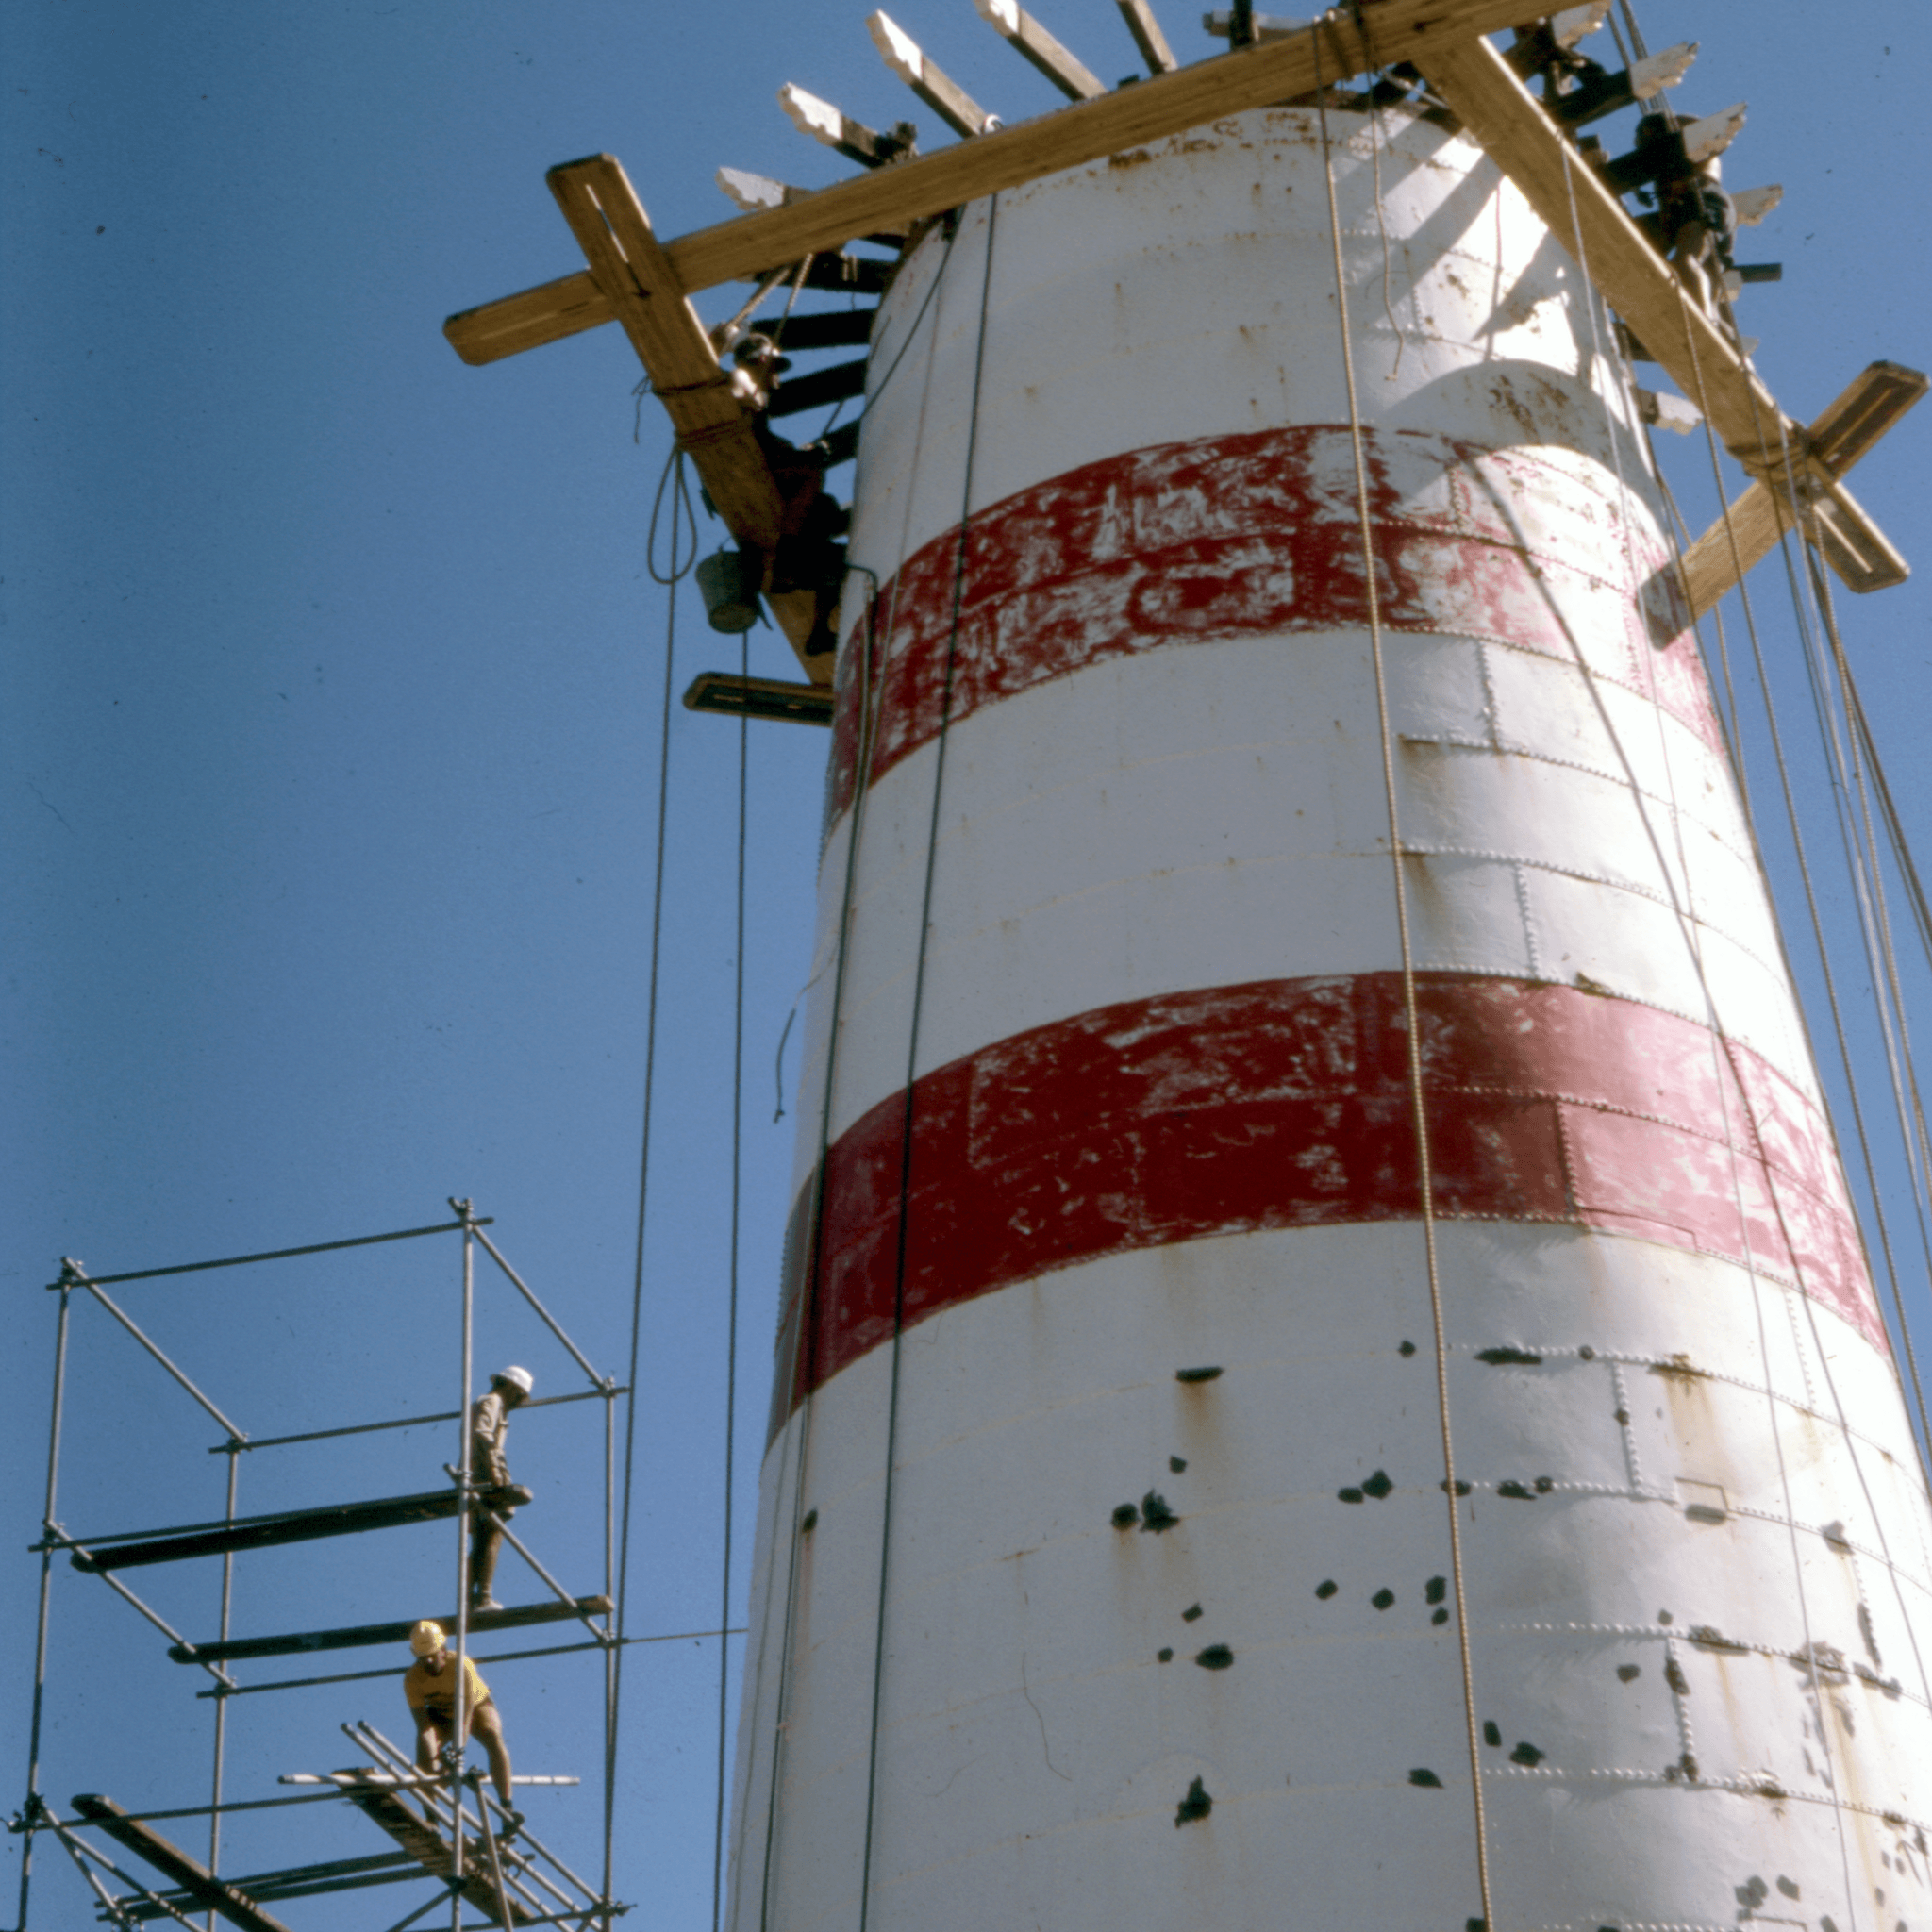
(488, 1425)
(429, 1686)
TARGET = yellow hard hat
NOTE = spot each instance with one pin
(426, 1639)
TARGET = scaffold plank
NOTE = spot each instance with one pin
(193, 1877)
(354, 1636)
(285, 1526)
(430, 1848)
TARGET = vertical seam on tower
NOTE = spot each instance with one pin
(1722, 1057)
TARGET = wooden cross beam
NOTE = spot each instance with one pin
(1748, 530)
(1589, 220)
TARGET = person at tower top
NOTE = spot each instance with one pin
(430, 1687)
(488, 1425)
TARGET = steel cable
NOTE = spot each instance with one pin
(677, 564)
(1411, 1016)
(906, 1121)
(868, 695)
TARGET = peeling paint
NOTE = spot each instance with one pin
(1190, 1113)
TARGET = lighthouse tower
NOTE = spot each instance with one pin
(1326, 1377)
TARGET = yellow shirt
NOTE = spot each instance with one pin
(436, 1691)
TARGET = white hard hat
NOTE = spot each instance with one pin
(516, 1377)
(426, 1639)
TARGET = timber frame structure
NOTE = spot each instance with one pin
(1796, 470)
(471, 1856)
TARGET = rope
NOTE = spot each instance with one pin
(1861, 739)
(731, 1317)
(868, 694)
(932, 840)
(1417, 1106)
(677, 564)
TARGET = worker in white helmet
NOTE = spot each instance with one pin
(429, 1684)
(488, 1425)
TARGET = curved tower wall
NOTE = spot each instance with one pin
(1161, 1123)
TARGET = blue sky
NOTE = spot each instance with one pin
(329, 719)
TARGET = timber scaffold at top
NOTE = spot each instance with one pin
(1431, 51)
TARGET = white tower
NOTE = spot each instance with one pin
(1106, 1575)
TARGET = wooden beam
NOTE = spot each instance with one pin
(359, 1636)
(1013, 23)
(285, 1526)
(714, 427)
(546, 313)
(189, 1873)
(1485, 93)
(909, 191)
(1139, 15)
(903, 55)
(1874, 401)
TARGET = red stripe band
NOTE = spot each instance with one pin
(1255, 534)
(1285, 1104)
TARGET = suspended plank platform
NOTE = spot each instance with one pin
(431, 1849)
(726, 692)
(212, 1893)
(356, 1636)
(285, 1526)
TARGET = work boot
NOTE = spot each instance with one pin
(478, 1604)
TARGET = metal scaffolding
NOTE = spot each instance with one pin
(466, 1844)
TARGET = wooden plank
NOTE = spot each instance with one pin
(1139, 15)
(1014, 25)
(1841, 435)
(189, 1873)
(548, 313)
(1487, 95)
(903, 55)
(714, 427)
(356, 1635)
(1499, 111)
(731, 697)
(288, 1527)
(612, 229)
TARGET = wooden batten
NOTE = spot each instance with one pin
(1139, 15)
(904, 56)
(1013, 23)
